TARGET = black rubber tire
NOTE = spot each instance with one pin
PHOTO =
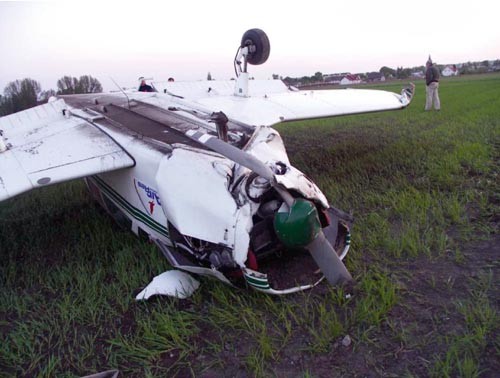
(259, 46)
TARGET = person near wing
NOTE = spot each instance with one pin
(432, 86)
(143, 87)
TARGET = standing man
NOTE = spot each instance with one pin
(432, 82)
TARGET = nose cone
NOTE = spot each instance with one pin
(299, 226)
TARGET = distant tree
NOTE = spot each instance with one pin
(45, 95)
(465, 70)
(209, 76)
(71, 85)
(88, 84)
(4, 106)
(318, 77)
(291, 80)
(20, 95)
(67, 85)
(305, 80)
(387, 71)
(403, 73)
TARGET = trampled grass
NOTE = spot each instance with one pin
(424, 189)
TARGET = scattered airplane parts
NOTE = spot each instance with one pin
(198, 169)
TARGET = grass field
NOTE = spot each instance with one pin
(425, 192)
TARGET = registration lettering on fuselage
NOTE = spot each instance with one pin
(149, 196)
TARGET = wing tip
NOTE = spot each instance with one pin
(407, 94)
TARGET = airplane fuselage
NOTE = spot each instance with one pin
(206, 213)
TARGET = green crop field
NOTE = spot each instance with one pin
(425, 192)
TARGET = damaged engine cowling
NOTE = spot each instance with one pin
(248, 211)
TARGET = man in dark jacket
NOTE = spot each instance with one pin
(143, 87)
(432, 82)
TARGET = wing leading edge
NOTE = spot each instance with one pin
(42, 146)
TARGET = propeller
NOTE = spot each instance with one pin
(328, 261)
(238, 156)
(300, 226)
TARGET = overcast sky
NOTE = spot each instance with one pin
(187, 39)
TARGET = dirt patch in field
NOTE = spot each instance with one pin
(414, 335)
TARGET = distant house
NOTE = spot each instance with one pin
(418, 74)
(375, 76)
(450, 71)
(350, 79)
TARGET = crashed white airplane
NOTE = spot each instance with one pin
(198, 169)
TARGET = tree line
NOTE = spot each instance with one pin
(401, 72)
(26, 93)
(398, 73)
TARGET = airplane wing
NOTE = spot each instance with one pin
(44, 145)
(271, 101)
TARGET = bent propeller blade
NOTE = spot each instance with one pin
(328, 261)
(238, 156)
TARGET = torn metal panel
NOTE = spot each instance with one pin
(195, 197)
(296, 180)
(173, 283)
(243, 226)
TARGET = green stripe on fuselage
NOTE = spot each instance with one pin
(257, 282)
(133, 211)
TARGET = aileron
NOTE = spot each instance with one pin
(45, 147)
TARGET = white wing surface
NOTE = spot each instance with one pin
(42, 146)
(271, 101)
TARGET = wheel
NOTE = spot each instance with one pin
(258, 46)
